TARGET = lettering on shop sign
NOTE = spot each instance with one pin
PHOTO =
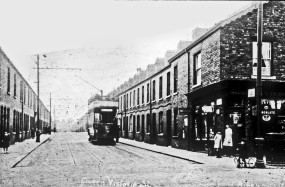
(267, 112)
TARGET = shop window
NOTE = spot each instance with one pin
(175, 79)
(168, 84)
(197, 69)
(160, 121)
(175, 126)
(160, 87)
(266, 59)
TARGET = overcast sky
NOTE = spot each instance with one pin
(87, 33)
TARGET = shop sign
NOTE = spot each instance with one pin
(251, 92)
(219, 101)
(266, 112)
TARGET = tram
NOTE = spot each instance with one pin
(102, 125)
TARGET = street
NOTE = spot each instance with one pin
(68, 159)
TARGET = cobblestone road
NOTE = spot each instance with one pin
(68, 159)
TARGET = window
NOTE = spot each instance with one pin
(147, 94)
(138, 97)
(138, 123)
(130, 99)
(134, 100)
(28, 98)
(21, 91)
(160, 121)
(148, 123)
(15, 85)
(175, 129)
(8, 81)
(160, 87)
(197, 69)
(175, 79)
(168, 84)
(153, 89)
(142, 94)
(124, 101)
(266, 58)
(121, 102)
(24, 94)
(127, 102)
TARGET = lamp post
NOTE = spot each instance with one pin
(259, 140)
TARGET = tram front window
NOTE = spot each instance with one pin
(97, 118)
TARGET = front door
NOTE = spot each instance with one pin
(168, 121)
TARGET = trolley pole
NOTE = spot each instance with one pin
(259, 140)
(38, 105)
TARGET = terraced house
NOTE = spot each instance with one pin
(211, 83)
(18, 103)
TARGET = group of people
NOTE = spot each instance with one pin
(227, 144)
(4, 142)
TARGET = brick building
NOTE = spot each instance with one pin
(212, 83)
(223, 76)
(18, 103)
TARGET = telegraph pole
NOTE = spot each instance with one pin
(38, 105)
(50, 113)
(259, 139)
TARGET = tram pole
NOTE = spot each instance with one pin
(259, 139)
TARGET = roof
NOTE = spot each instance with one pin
(233, 17)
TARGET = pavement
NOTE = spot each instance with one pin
(198, 157)
(20, 150)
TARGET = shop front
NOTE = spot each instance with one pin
(233, 103)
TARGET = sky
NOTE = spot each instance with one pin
(107, 40)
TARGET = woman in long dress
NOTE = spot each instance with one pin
(218, 144)
(228, 141)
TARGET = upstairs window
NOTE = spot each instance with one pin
(21, 91)
(138, 102)
(134, 100)
(266, 59)
(8, 81)
(160, 87)
(15, 85)
(153, 89)
(142, 94)
(127, 102)
(130, 99)
(147, 94)
(175, 79)
(197, 69)
(168, 84)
